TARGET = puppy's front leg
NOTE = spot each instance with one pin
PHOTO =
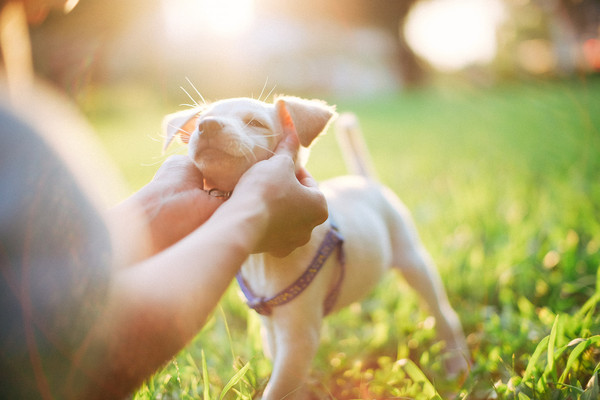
(295, 338)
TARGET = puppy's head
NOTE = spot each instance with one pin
(227, 137)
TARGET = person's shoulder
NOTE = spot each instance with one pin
(11, 123)
(20, 145)
(54, 123)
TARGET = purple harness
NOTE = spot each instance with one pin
(332, 241)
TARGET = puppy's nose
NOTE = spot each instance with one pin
(209, 126)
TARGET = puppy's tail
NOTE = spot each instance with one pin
(354, 149)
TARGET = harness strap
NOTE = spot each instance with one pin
(264, 306)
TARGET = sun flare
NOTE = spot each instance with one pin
(228, 16)
(221, 17)
(452, 34)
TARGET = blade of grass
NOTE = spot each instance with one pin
(541, 347)
(552, 345)
(598, 282)
(227, 330)
(234, 380)
(191, 361)
(577, 351)
(417, 375)
(206, 391)
(592, 390)
(588, 305)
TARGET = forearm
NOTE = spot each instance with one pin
(131, 238)
(157, 306)
(189, 278)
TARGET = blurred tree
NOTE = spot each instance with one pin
(582, 19)
(583, 15)
(387, 15)
(547, 38)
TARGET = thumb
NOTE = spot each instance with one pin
(290, 143)
(305, 178)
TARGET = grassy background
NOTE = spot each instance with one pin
(504, 186)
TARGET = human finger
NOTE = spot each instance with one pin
(305, 178)
(180, 168)
(290, 143)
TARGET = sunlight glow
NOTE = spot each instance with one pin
(222, 17)
(70, 5)
(452, 34)
(228, 16)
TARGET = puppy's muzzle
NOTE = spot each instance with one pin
(210, 126)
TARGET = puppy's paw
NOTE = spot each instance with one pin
(457, 364)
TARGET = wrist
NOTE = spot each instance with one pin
(243, 220)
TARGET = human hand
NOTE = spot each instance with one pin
(294, 205)
(174, 202)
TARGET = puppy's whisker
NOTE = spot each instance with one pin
(196, 90)
(156, 138)
(152, 164)
(265, 148)
(247, 150)
(258, 134)
(180, 129)
(271, 92)
(263, 89)
(159, 159)
(191, 98)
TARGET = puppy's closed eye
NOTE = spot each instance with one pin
(255, 124)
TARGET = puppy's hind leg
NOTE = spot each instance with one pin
(416, 265)
(422, 275)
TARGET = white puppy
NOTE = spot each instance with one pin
(373, 232)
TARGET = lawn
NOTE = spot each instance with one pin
(504, 185)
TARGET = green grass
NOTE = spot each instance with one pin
(504, 185)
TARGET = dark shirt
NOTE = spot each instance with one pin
(54, 267)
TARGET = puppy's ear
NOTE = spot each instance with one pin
(182, 123)
(310, 117)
